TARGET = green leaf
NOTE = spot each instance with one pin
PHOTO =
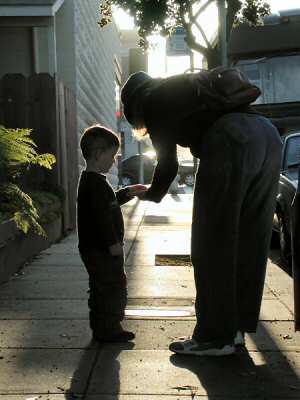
(17, 153)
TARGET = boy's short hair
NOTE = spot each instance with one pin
(97, 135)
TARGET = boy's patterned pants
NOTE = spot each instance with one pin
(108, 292)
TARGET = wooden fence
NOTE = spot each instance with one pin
(42, 103)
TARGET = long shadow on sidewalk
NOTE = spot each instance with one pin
(104, 376)
(258, 375)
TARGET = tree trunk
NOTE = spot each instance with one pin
(213, 58)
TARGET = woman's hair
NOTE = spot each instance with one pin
(139, 128)
(134, 107)
(97, 136)
(140, 133)
(137, 113)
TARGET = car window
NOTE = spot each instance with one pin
(292, 152)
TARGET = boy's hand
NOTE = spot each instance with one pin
(137, 190)
(142, 195)
(116, 249)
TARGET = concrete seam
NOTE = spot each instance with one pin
(278, 298)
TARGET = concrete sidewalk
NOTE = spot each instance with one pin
(45, 342)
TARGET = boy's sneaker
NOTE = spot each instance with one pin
(239, 339)
(122, 337)
(192, 347)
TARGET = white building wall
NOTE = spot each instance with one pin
(96, 49)
(95, 52)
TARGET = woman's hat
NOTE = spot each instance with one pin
(134, 82)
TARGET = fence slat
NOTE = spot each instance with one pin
(43, 119)
(63, 154)
(43, 104)
(72, 153)
(1, 103)
(15, 101)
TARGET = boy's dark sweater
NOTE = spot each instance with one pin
(99, 218)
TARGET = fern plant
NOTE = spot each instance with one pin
(17, 153)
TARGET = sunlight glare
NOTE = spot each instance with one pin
(157, 56)
(279, 5)
(161, 65)
(123, 19)
(208, 20)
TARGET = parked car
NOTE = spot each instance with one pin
(130, 169)
(288, 183)
(186, 172)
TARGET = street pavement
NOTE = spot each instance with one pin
(46, 350)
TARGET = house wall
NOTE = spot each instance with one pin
(95, 69)
(65, 44)
(95, 53)
(41, 49)
(270, 55)
(16, 45)
(84, 56)
(286, 72)
(28, 44)
(277, 77)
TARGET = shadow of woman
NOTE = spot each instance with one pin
(237, 376)
(100, 364)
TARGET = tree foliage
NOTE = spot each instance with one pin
(162, 16)
(18, 153)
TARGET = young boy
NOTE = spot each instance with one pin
(101, 233)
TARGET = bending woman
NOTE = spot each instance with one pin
(234, 196)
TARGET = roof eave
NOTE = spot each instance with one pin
(30, 10)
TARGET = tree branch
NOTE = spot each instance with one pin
(190, 38)
(203, 8)
(203, 34)
(232, 8)
(193, 20)
(196, 46)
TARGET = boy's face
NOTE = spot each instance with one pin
(105, 158)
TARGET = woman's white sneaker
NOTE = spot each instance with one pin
(192, 347)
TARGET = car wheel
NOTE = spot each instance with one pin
(284, 242)
(189, 179)
(127, 180)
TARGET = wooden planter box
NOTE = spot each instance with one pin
(16, 248)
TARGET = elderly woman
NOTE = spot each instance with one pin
(234, 194)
